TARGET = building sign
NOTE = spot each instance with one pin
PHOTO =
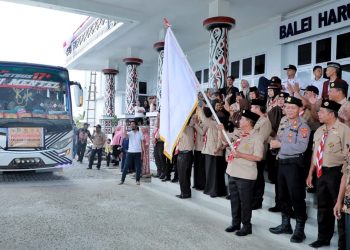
(25, 137)
(324, 19)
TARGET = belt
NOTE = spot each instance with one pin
(326, 169)
(291, 156)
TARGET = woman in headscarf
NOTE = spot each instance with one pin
(116, 143)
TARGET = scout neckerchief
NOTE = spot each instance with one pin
(319, 154)
(230, 157)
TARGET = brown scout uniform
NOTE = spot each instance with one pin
(329, 182)
(242, 168)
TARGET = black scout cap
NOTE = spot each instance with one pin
(312, 89)
(275, 79)
(290, 66)
(293, 100)
(250, 115)
(332, 105)
(283, 94)
(252, 89)
(339, 84)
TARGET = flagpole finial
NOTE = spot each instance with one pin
(166, 23)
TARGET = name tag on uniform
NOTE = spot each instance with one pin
(304, 132)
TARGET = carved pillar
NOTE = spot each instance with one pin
(218, 48)
(108, 113)
(160, 48)
(132, 83)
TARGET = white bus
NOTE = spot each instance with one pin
(36, 122)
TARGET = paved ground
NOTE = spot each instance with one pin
(86, 209)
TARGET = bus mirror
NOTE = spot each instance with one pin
(78, 93)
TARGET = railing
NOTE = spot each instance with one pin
(93, 29)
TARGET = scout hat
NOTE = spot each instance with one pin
(312, 88)
(250, 115)
(258, 102)
(252, 89)
(274, 86)
(332, 105)
(293, 100)
(283, 94)
(275, 79)
(334, 65)
(339, 84)
(98, 126)
(290, 66)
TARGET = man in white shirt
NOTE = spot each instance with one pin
(134, 155)
(318, 79)
(291, 79)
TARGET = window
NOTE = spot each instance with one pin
(235, 69)
(206, 75)
(199, 76)
(247, 66)
(259, 65)
(323, 50)
(142, 88)
(343, 46)
(304, 54)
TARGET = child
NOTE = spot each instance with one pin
(108, 151)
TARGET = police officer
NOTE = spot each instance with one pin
(292, 141)
(263, 127)
(328, 159)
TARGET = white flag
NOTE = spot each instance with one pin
(179, 93)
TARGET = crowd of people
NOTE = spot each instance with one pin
(298, 132)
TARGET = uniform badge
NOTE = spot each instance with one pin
(331, 145)
(245, 147)
(326, 104)
(332, 84)
(304, 132)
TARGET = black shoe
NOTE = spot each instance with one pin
(183, 196)
(298, 235)
(256, 207)
(275, 209)
(121, 183)
(162, 176)
(284, 228)
(88, 168)
(231, 229)
(166, 179)
(228, 197)
(244, 231)
(174, 180)
(213, 195)
(319, 243)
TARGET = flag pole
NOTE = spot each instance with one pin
(168, 26)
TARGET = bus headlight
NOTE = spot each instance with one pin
(62, 144)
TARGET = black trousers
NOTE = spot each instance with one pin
(215, 168)
(159, 158)
(259, 186)
(241, 193)
(108, 158)
(347, 219)
(291, 185)
(92, 157)
(116, 152)
(170, 166)
(198, 171)
(327, 193)
(184, 167)
(81, 147)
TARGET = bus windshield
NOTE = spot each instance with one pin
(31, 92)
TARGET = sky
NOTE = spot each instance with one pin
(32, 34)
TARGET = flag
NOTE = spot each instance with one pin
(179, 93)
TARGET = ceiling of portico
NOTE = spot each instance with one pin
(144, 19)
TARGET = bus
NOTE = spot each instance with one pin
(36, 122)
